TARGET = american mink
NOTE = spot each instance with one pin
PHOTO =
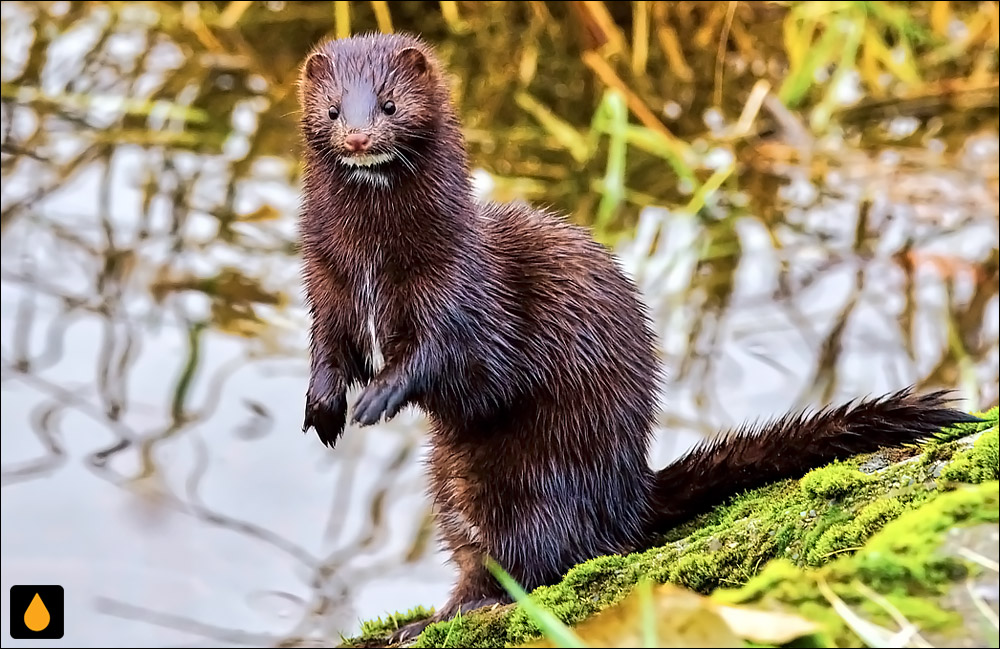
(516, 333)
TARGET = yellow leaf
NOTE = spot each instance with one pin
(683, 618)
(766, 627)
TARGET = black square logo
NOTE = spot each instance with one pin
(36, 612)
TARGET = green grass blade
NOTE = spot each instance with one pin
(797, 84)
(647, 606)
(706, 190)
(551, 626)
(613, 185)
(564, 132)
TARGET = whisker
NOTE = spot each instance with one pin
(406, 161)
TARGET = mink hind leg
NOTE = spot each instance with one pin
(474, 589)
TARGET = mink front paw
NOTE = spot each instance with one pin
(326, 406)
(385, 395)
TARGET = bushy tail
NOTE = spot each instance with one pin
(789, 447)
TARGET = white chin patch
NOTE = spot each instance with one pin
(369, 176)
(366, 160)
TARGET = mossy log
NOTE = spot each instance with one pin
(903, 533)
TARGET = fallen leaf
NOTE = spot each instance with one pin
(766, 627)
(683, 618)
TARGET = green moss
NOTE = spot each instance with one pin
(379, 628)
(773, 544)
(978, 463)
(834, 481)
(927, 612)
(479, 630)
(905, 551)
(988, 418)
(903, 563)
(851, 533)
(945, 447)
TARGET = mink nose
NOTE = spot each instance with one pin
(356, 142)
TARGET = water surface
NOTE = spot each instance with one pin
(154, 336)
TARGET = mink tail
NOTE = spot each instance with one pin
(789, 447)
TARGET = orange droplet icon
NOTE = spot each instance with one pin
(36, 617)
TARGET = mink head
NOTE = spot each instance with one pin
(372, 102)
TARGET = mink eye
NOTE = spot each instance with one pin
(389, 107)
(334, 113)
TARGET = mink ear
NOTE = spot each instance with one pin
(317, 66)
(413, 60)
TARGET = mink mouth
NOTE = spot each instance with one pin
(369, 161)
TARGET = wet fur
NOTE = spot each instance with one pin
(520, 338)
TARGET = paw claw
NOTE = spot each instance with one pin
(409, 632)
(326, 409)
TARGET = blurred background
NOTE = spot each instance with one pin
(806, 193)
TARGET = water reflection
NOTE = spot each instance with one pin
(154, 338)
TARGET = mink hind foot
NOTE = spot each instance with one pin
(448, 611)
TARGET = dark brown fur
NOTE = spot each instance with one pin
(519, 337)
